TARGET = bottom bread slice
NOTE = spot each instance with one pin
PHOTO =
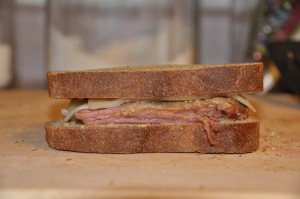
(232, 137)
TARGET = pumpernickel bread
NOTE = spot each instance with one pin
(157, 82)
(233, 137)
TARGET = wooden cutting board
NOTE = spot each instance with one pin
(30, 169)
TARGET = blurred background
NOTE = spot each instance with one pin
(39, 35)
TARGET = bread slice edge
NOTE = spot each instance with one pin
(157, 83)
(233, 137)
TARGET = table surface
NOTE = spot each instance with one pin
(29, 168)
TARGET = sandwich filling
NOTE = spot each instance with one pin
(116, 111)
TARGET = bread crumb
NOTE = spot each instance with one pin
(264, 149)
(273, 133)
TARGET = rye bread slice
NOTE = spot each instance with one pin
(157, 82)
(233, 137)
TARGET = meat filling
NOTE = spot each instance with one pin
(205, 111)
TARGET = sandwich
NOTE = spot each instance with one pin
(164, 108)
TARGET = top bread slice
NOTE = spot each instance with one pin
(156, 82)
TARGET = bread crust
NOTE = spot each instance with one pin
(233, 137)
(158, 81)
